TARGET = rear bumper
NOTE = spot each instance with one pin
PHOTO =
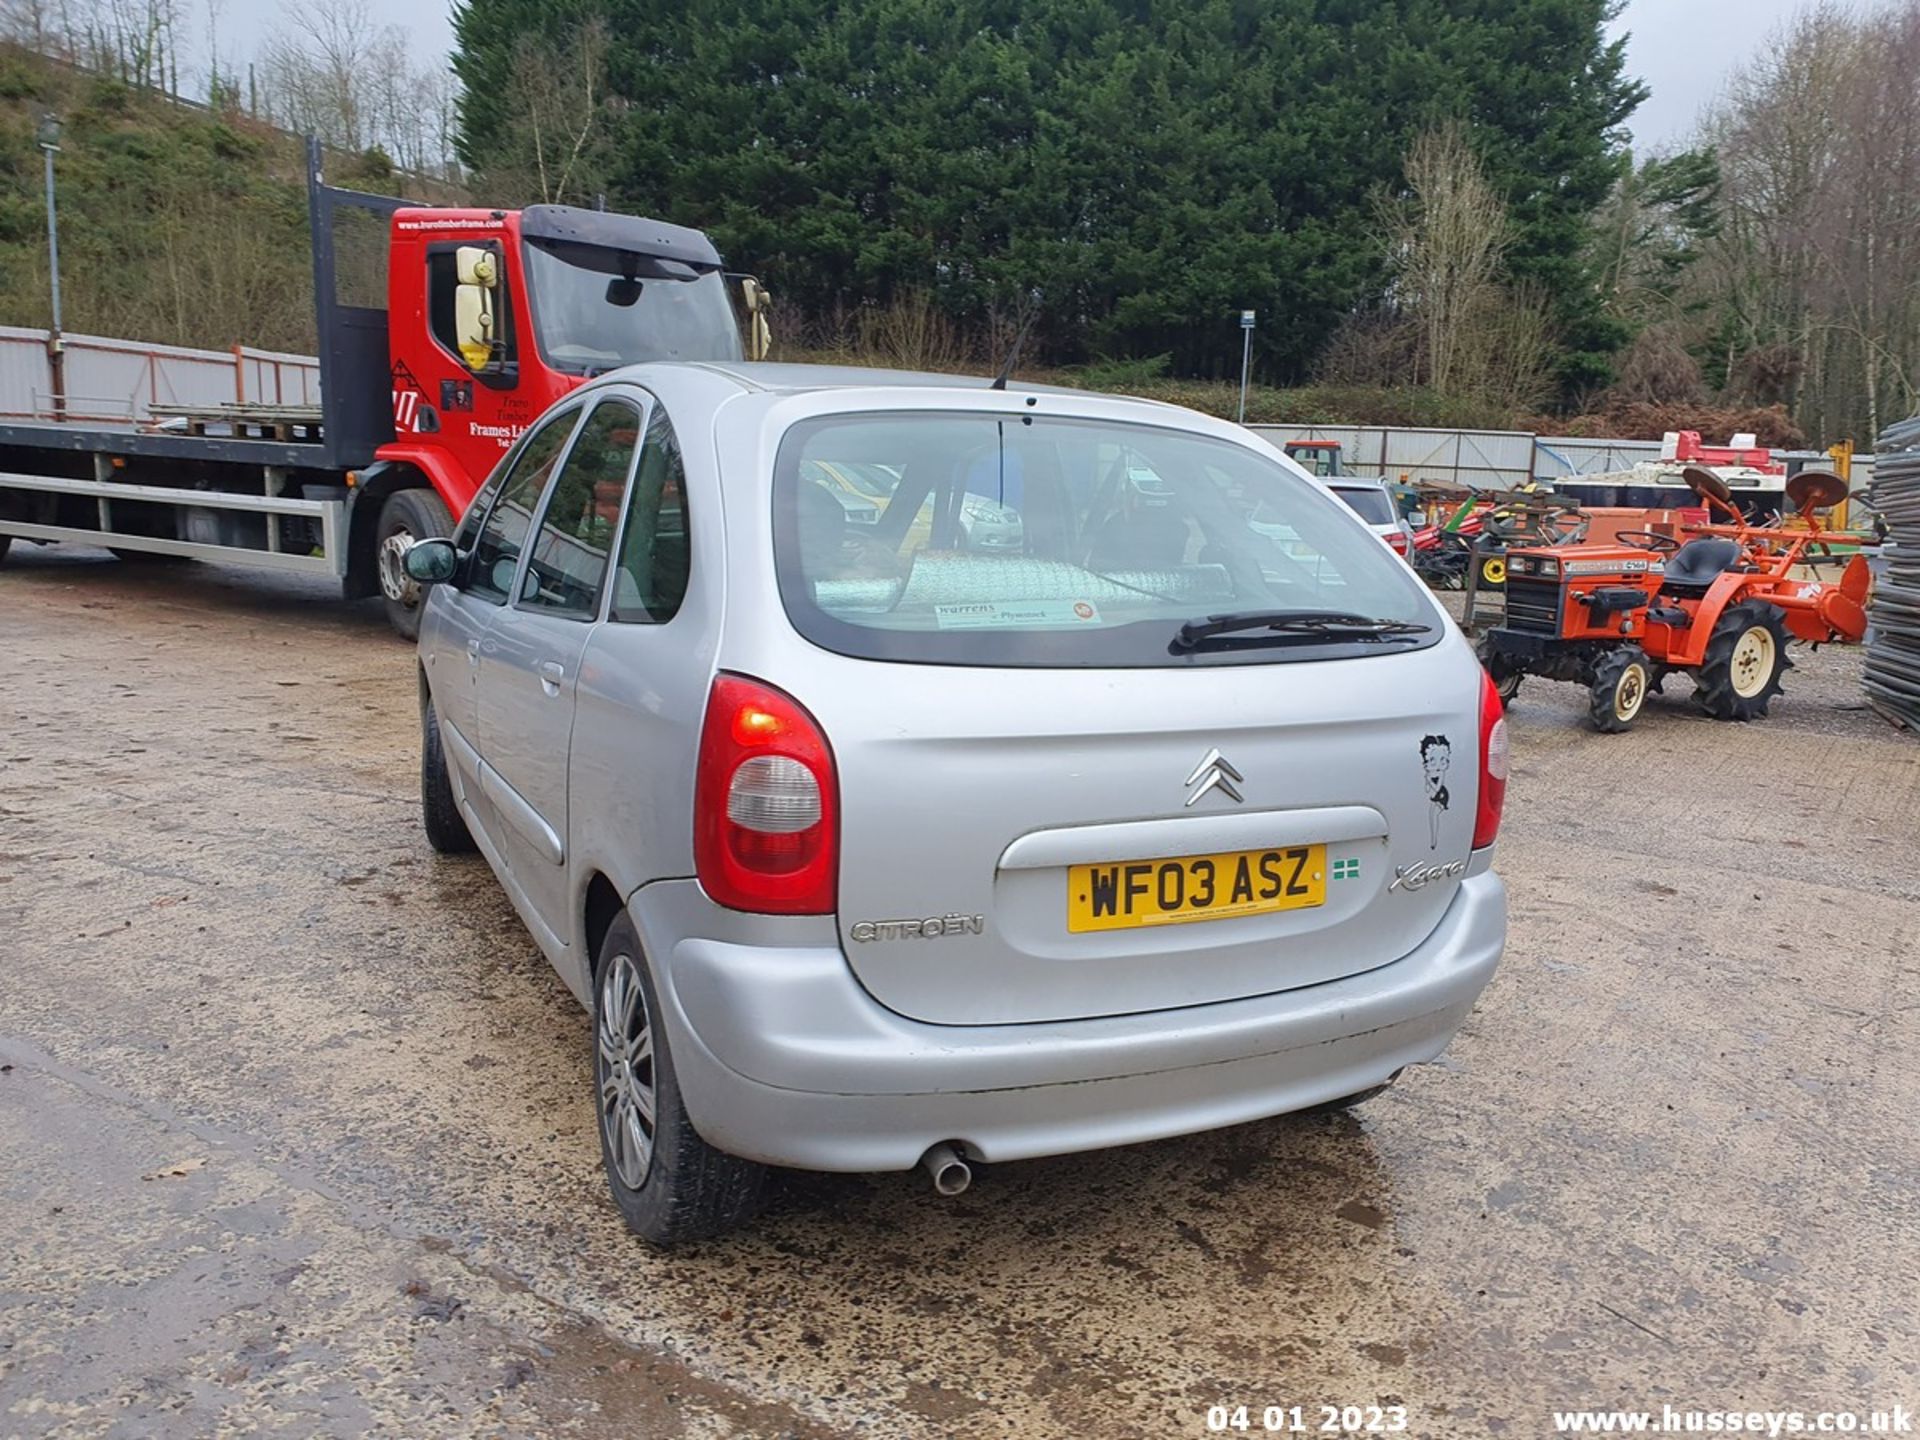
(783, 1057)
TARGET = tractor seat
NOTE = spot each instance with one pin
(1698, 563)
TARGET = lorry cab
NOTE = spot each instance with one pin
(493, 315)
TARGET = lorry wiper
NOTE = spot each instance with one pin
(1296, 627)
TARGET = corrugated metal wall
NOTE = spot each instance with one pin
(1485, 459)
(113, 382)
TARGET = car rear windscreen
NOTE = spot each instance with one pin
(1369, 502)
(953, 538)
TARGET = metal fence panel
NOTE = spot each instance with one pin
(1556, 455)
(1488, 459)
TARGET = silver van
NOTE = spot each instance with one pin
(907, 771)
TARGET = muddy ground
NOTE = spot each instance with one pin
(296, 1135)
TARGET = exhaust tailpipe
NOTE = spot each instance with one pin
(950, 1174)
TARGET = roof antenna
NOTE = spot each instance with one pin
(1013, 352)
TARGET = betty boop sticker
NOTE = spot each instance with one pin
(1436, 753)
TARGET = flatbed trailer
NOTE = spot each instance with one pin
(277, 504)
(273, 487)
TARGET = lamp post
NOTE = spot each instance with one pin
(48, 136)
(1246, 357)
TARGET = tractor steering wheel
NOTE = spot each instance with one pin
(1648, 540)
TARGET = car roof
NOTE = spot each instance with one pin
(787, 377)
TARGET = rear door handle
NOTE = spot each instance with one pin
(552, 672)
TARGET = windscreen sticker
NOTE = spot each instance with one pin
(1000, 615)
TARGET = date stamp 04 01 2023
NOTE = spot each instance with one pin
(1308, 1419)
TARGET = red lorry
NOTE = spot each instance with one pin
(443, 334)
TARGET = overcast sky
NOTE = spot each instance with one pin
(1684, 49)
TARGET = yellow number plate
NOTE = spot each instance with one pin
(1132, 893)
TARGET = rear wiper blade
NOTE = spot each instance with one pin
(1293, 626)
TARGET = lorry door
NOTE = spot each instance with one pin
(530, 657)
(471, 400)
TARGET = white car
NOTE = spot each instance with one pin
(1373, 503)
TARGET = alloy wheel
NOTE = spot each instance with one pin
(628, 1098)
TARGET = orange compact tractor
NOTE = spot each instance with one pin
(1719, 604)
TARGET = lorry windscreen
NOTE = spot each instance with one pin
(590, 319)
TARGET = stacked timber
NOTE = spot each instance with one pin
(1893, 650)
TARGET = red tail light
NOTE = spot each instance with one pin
(1493, 763)
(1397, 541)
(766, 824)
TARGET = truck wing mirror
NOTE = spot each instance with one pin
(477, 273)
(431, 561)
(757, 302)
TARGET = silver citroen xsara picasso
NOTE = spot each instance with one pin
(908, 771)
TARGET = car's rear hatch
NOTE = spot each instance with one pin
(1193, 654)
(969, 796)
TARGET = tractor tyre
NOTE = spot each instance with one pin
(1620, 684)
(1493, 572)
(1746, 656)
(1506, 675)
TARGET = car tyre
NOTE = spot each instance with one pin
(1506, 675)
(670, 1185)
(6, 544)
(1745, 658)
(407, 516)
(440, 813)
(1621, 682)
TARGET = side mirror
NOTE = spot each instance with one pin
(476, 271)
(757, 302)
(431, 561)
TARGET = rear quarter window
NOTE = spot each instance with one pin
(991, 540)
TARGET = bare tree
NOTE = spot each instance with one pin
(1445, 236)
(1815, 282)
(561, 118)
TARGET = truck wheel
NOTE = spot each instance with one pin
(671, 1186)
(1620, 684)
(440, 813)
(1746, 656)
(407, 516)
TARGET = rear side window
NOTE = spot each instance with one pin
(989, 540)
(496, 550)
(656, 554)
(568, 562)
